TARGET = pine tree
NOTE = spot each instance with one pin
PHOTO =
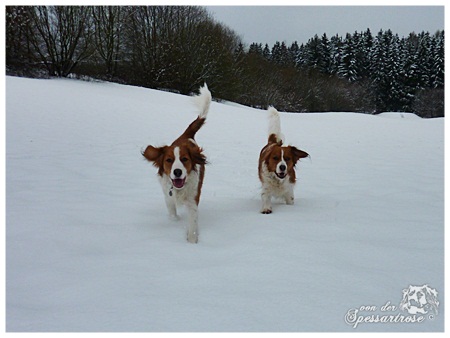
(359, 54)
(377, 69)
(394, 94)
(312, 52)
(280, 54)
(255, 48)
(324, 54)
(335, 53)
(276, 53)
(266, 53)
(408, 72)
(285, 57)
(423, 60)
(367, 45)
(438, 74)
(301, 59)
(348, 67)
(293, 52)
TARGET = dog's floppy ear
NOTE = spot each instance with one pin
(298, 154)
(196, 155)
(154, 155)
(196, 152)
(199, 157)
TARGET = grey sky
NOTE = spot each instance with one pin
(268, 24)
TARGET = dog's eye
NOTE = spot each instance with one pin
(287, 159)
(276, 158)
(184, 159)
(169, 160)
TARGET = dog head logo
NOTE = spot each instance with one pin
(419, 300)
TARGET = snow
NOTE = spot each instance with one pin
(89, 245)
(400, 115)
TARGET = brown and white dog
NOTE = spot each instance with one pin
(181, 168)
(277, 165)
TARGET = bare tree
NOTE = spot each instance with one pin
(108, 22)
(20, 55)
(150, 44)
(63, 36)
(178, 47)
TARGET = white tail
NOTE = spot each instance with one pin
(274, 124)
(203, 101)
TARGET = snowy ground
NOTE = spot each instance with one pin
(89, 246)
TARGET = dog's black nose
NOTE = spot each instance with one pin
(282, 167)
(177, 172)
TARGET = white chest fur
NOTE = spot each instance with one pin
(273, 185)
(183, 196)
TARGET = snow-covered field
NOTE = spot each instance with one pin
(89, 246)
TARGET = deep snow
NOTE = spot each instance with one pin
(89, 246)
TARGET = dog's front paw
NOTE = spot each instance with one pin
(266, 211)
(174, 217)
(192, 237)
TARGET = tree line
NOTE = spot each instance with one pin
(381, 73)
(178, 48)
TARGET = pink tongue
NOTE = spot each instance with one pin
(178, 182)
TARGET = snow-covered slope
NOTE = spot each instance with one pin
(89, 246)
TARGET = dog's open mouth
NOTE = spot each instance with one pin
(281, 175)
(179, 182)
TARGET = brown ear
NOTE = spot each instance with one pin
(298, 154)
(154, 155)
(196, 152)
(197, 156)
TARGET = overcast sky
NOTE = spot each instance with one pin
(268, 24)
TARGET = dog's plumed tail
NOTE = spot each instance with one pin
(275, 134)
(203, 101)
